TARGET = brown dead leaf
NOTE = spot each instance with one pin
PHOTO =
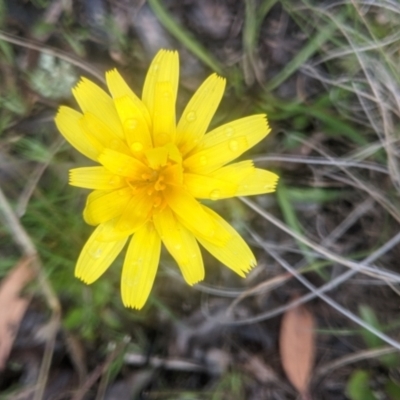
(13, 307)
(297, 347)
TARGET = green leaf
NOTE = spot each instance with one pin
(392, 389)
(358, 386)
(368, 315)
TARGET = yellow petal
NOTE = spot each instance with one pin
(173, 175)
(198, 113)
(110, 233)
(97, 129)
(110, 205)
(136, 213)
(136, 128)
(191, 214)
(68, 123)
(164, 68)
(235, 172)
(235, 254)
(91, 98)
(119, 88)
(249, 180)
(97, 256)
(226, 143)
(206, 187)
(164, 114)
(140, 266)
(92, 196)
(259, 182)
(181, 244)
(157, 157)
(208, 160)
(123, 165)
(95, 178)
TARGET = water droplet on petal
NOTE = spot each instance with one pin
(191, 116)
(131, 124)
(115, 180)
(129, 283)
(215, 194)
(178, 246)
(114, 144)
(124, 226)
(203, 160)
(136, 146)
(233, 145)
(229, 131)
(96, 252)
(156, 67)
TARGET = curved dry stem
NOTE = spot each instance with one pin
(30, 44)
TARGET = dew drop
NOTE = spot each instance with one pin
(233, 145)
(131, 124)
(203, 160)
(114, 144)
(129, 283)
(178, 246)
(191, 116)
(96, 252)
(115, 180)
(156, 67)
(229, 131)
(124, 226)
(136, 146)
(215, 194)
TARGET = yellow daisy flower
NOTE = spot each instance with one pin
(151, 172)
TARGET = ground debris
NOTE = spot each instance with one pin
(12, 306)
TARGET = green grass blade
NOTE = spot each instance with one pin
(303, 55)
(185, 37)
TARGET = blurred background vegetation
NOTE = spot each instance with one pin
(326, 74)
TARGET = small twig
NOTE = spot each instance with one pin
(29, 44)
(99, 371)
(352, 358)
(173, 364)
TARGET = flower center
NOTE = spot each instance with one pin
(154, 180)
(164, 168)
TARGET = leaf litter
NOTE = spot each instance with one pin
(12, 305)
